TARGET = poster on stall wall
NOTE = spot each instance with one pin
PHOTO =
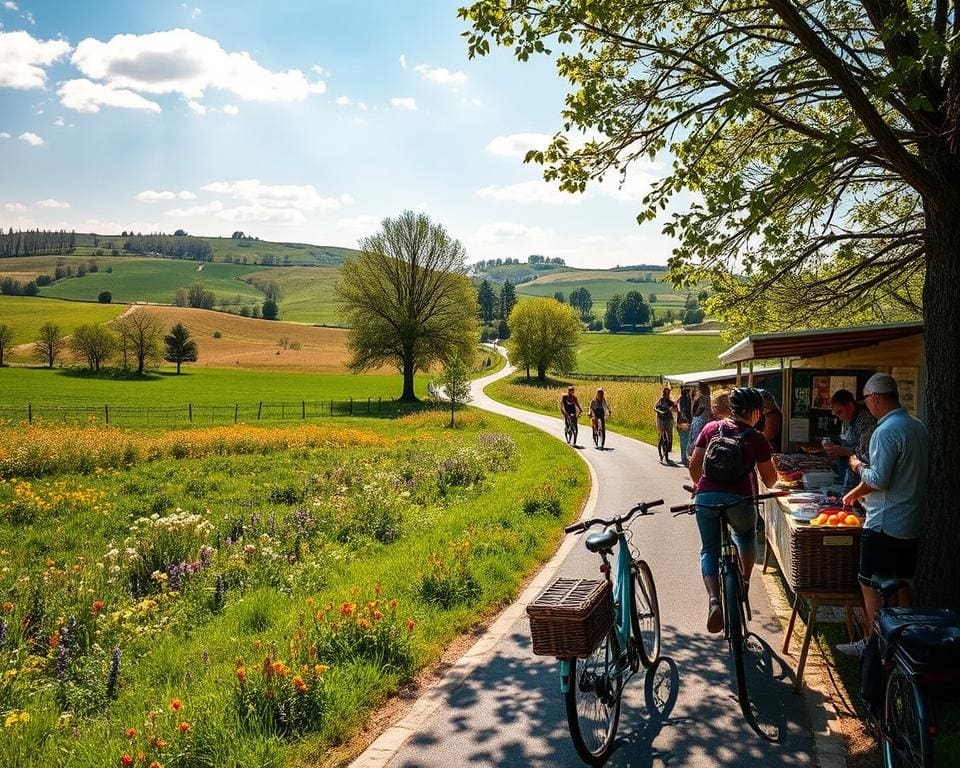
(800, 402)
(848, 383)
(800, 430)
(906, 379)
(821, 392)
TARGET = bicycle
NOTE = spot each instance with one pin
(663, 446)
(912, 665)
(600, 433)
(570, 428)
(592, 687)
(734, 600)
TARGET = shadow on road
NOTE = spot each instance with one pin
(510, 713)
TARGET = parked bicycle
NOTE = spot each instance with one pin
(663, 446)
(570, 428)
(910, 667)
(592, 686)
(600, 433)
(734, 600)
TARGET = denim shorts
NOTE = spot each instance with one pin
(743, 522)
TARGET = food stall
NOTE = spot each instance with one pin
(815, 542)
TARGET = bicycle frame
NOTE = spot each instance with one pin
(622, 602)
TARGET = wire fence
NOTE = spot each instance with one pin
(616, 377)
(194, 413)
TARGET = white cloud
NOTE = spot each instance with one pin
(194, 12)
(86, 96)
(31, 138)
(403, 61)
(4, 135)
(59, 122)
(441, 75)
(149, 196)
(535, 191)
(298, 197)
(51, 203)
(342, 101)
(196, 210)
(186, 194)
(22, 58)
(197, 107)
(346, 199)
(320, 70)
(230, 109)
(15, 207)
(10, 5)
(509, 231)
(260, 214)
(184, 62)
(405, 102)
(517, 144)
(355, 227)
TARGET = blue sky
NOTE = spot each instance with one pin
(290, 120)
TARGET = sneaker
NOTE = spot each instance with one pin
(714, 616)
(852, 649)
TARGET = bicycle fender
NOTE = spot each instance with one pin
(564, 675)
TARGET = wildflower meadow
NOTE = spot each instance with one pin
(243, 596)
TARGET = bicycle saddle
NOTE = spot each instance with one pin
(600, 542)
(886, 586)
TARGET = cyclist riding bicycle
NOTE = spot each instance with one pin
(734, 438)
(599, 409)
(570, 405)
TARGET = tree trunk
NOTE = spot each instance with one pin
(939, 566)
(541, 372)
(408, 396)
(178, 367)
(453, 406)
(140, 364)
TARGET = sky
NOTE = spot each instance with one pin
(293, 120)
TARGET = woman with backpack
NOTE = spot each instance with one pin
(725, 456)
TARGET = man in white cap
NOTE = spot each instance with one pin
(894, 488)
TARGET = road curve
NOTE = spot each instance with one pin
(505, 707)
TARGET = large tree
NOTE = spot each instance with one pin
(487, 300)
(139, 334)
(179, 347)
(407, 299)
(582, 301)
(94, 343)
(821, 142)
(508, 297)
(6, 340)
(544, 335)
(634, 310)
(50, 344)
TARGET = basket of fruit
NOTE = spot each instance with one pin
(824, 555)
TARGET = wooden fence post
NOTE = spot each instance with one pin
(259, 409)
(368, 406)
(379, 404)
(236, 412)
(190, 412)
(29, 413)
(331, 407)
(303, 409)
(351, 406)
(106, 414)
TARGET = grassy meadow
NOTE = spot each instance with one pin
(157, 280)
(242, 596)
(631, 402)
(603, 284)
(25, 314)
(647, 354)
(306, 293)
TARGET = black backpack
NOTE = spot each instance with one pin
(723, 460)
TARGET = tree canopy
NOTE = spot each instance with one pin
(820, 144)
(407, 299)
(179, 347)
(544, 335)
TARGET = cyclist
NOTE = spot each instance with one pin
(746, 404)
(599, 409)
(570, 405)
(664, 408)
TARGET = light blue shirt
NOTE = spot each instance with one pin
(899, 456)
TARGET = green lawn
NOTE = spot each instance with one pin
(261, 602)
(647, 354)
(48, 390)
(157, 280)
(306, 293)
(25, 314)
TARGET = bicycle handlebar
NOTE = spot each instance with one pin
(690, 507)
(643, 508)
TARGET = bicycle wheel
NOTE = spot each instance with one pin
(575, 430)
(602, 433)
(907, 743)
(593, 701)
(733, 625)
(596, 437)
(646, 614)
(567, 430)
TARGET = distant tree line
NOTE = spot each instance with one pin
(35, 242)
(171, 246)
(199, 297)
(494, 308)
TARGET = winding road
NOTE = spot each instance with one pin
(501, 706)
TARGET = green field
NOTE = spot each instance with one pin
(647, 354)
(25, 314)
(306, 293)
(256, 603)
(157, 280)
(603, 284)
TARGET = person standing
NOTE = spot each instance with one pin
(772, 420)
(664, 408)
(702, 413)
(894, 490)
(684, 417)
(855, 433)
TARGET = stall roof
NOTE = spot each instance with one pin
(710, 377)
(821, 341)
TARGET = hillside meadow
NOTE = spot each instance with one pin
(25, 314)
(604, 284)
(647, 354)
(306, 293)
(246, 596)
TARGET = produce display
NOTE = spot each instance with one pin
(792, 466)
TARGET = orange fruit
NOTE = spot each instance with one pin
(833, 520)
(819, 519)
(852, 520)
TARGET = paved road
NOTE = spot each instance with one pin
(509, 711)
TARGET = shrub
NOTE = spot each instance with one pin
(543, 500)
(278, 698)
(448, 581)
(286, 494)
(104, 297)
(217, 335)
(165, 551)
(462, 469)
(497, 449)
(379, 509)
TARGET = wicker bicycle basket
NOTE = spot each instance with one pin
(824, 559)
(570, 617)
